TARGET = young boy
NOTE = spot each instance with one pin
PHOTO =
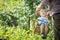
(42, 22)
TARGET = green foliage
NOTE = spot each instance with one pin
(7, 19)
(11, 33)
(19, 13)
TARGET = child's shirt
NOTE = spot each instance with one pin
(41, 20)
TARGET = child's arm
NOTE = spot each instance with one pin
(40, 6)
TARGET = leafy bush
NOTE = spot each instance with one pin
(19, 13)
(11, 33)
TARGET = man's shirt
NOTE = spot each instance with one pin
(53, 4)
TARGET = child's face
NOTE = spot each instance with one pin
(43, 13)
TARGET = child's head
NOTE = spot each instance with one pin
(43, 12)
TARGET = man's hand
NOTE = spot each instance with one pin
(48, 14)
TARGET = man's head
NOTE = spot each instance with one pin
(43, 12)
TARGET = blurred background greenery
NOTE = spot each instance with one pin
(17, 20)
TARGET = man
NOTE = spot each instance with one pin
(55, 12)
